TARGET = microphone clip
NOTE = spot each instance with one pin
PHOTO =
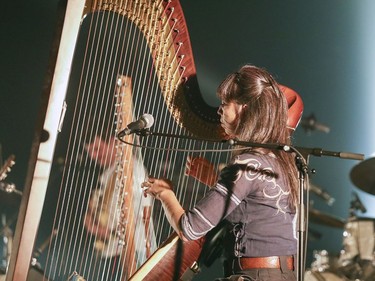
(142, 132)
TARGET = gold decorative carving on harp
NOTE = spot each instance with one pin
(116, 61)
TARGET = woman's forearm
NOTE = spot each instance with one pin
(173, 210)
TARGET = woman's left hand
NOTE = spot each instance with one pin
(155, 187)
(202, 170)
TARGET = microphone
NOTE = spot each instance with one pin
(322, 194)
(357, 203)
(143, 122)
(310, 124)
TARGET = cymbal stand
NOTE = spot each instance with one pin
(356, 205)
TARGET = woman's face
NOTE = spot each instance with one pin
(230, 113)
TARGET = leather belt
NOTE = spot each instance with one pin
(265, 262)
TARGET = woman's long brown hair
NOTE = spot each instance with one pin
(265, 118)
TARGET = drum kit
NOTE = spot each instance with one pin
(356, 260)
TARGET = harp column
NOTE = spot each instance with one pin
(42, 153)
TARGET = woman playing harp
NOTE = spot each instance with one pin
(148, 42)
(256, 193)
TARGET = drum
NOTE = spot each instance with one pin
(357, 256)
(358, 240)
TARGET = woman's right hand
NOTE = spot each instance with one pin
(154, 187)
(201, 169)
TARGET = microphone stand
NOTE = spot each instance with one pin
(302, 159)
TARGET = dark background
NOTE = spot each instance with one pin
(323, 49)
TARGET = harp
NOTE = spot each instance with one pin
(115, 61)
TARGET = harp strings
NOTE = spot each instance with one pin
(115, 46)
(91, 108)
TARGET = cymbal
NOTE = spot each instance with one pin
(363, 175)
(325, 219)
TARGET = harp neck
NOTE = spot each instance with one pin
(164, 28)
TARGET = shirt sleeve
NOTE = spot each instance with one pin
(231, 188)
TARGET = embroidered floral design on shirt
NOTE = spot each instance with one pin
(255, 171)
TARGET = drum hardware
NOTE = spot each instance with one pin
(322, 261)
(310, 124)
(9, 196)
(314, 235)
(356, 205)
(322, 193)
(35, 264)
(323, 276)
(45, 243)
(6, 236)
(324, 268)
(13, 195)
(9, 188)
(5, 169)
(36, 273)
(325, 219)
(362, 175)
(357, 269)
